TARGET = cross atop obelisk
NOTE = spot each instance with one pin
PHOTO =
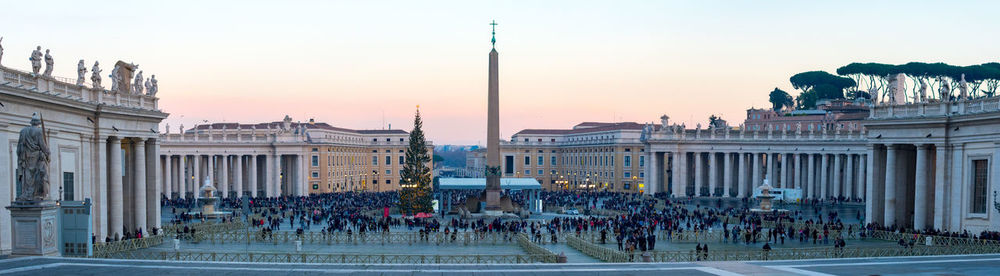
(494, 40)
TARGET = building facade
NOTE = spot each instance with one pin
(103, 147)
(282, 158)
(838, 113)
(590, 156)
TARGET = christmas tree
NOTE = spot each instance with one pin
(415, 196)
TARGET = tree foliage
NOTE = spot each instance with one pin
(417, 198)
(780, 99)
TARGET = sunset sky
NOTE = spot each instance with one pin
(356, 64)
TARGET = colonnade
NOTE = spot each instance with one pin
(268, 175)
(910, 187)
(132, 194)
(820, 175)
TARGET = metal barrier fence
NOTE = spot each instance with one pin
(597, 251)
(265, 257)
(108, 248)
(436, 238)
(814, 253)
(534, 250)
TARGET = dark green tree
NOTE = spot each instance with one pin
(713, 120)
(780, 99)
(415, 196)
(806, 100)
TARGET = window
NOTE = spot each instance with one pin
(642, 161)
(527, 160)
(628, 174)
(315, 175)
(67, 186)
(527, 172)
(315, 186)
(315, 161)
(374, 160)
(388, 181)
(552, 160)
(541, 160)
(627, 185)
(628, 161)
(401, 161)
(540, 172)
(642, 175)
(388, 172)
(980, 170)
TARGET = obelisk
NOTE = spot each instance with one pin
(493, 132)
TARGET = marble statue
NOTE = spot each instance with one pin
(81, 73)
(963, 88)
(643, 133)
(1, 48)
(798, 128)
(33, 161)
(137, 84)
(944, 90)
(149, 88)
(153, 87)
(664, 120)
(168, 128)
(923, 90)
(36, 60)
(95, 76)
(115, 79)
(181, 129)
(48, 63)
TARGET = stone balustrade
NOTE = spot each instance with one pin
(64, 88)
(932, 109)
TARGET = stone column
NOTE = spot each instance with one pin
(786, 171)
(713, 174)
(238, 175)
(210, 171)
(652, 173)
(676, 174)
(727, 174)
(699, 177)
(890, 186)
(757, 179)
(920, 189)
(116, 208)
(958, 161)
(862, 177)
(167, 177)
(870, 196)
(798, 172)
(772, 170)
(153, 188)
(837, 159)
(939, 185)
(824, 176)
(139, 187)
(102, 201)
(224, 175)
(811, 178)
(303, 176)
(742, 170)
(252, 175)
(274, 189)
(183, 177)
(849, 177)
(197, 181)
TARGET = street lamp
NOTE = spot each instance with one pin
(635, 179)
(375, 174)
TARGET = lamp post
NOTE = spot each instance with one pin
(343, 186)
(375, 174)
(635, 180)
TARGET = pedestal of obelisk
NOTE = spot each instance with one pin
(34, 228)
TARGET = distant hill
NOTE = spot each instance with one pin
(453, 155)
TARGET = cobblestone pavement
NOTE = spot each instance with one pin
(936, 265)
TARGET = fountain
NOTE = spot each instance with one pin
(765, 199)
(207, 197)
